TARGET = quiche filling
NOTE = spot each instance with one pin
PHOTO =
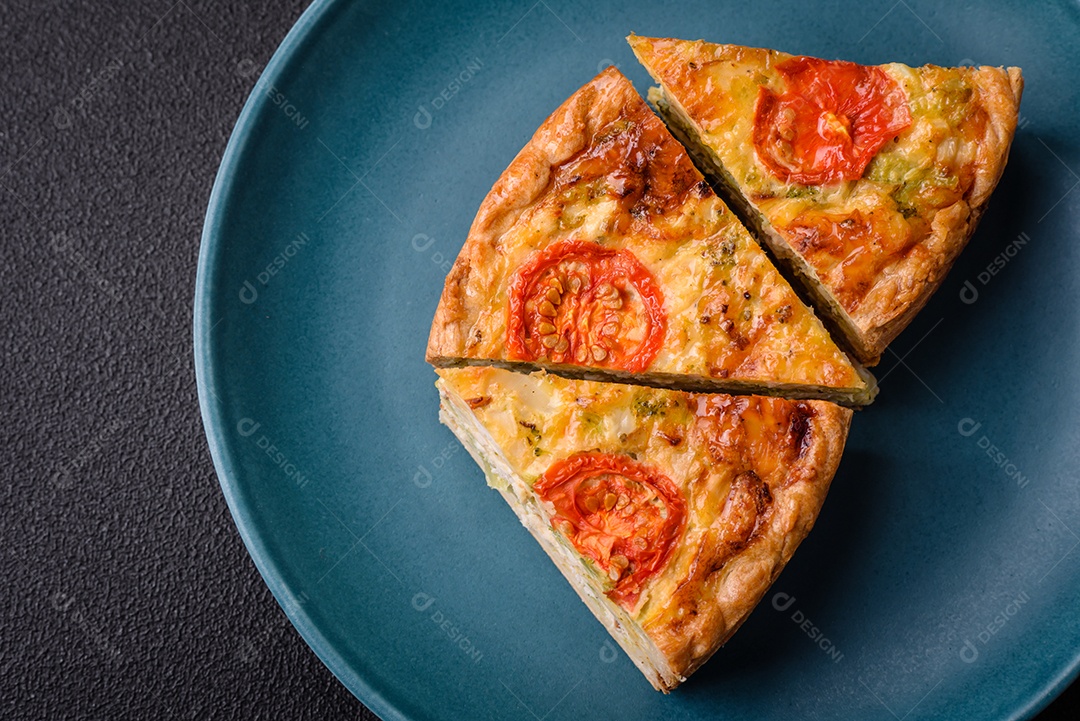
(591, 583)
(835, 317)
(606, 302)
(603, 253)
(865, 182)
(669, 512)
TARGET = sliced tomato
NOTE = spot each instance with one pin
(624, 515)
(579, 303)
(830, 122)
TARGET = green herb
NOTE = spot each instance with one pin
(951, 98)
(534, 436)
(722, 253)
(646, 407)
(800, 191)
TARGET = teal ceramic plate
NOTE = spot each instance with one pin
(943, 577)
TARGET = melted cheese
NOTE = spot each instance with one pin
(712, 90)
(702, 443)
(733, 322)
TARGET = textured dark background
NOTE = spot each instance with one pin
(128, 591)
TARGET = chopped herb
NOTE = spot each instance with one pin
(907, 211)
(722, 253)
(800, 191)
(646, 407)
(534, 436)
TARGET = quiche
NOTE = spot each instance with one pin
(602, 253)
(866, 182)
(671, 513)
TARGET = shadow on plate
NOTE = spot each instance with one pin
(821, 569)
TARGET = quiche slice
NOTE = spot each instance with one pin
(865, 181)
(601, 252)
(670, 513)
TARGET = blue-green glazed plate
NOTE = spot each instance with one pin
(943, 577)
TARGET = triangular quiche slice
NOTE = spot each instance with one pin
(670, 513)
(866, 181)
(602, 252)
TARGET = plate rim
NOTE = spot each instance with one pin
(210, 246)
(253, 537)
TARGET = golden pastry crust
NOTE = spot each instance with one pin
(752, 471)
(602, 173)
(910, 213)
(713, 601)
(898, 298)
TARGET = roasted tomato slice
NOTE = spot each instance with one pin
(622, 514)
(577, 302)
(830, 122)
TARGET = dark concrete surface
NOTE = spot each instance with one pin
(127, 590)
(128, 593)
